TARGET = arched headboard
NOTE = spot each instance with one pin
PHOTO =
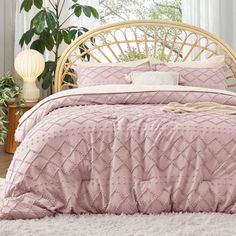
(131, 40)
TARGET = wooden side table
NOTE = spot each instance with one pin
(13, 120)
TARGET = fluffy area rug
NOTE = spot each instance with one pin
(125, 225)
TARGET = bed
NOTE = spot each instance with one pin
(112, 149)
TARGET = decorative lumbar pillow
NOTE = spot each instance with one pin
(198, 77)
(213, 62)
(92, 74)
(153, 78)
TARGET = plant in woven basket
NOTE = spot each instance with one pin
(10, 92)
(50, 30)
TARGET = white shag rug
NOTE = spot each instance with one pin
(200, 224)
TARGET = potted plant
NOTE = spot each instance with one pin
(10, 92)
(48, 31)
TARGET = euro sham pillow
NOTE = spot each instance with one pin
(153, 78)
(92, 74)
(197, 77)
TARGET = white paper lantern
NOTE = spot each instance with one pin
(29, 64)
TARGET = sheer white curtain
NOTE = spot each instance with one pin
(7, 22)
(216, 16)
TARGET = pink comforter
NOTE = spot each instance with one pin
(118, 153)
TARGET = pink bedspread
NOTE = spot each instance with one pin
(118, 153)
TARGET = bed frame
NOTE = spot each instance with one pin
(132, 40)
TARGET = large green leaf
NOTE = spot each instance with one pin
(26, 37)
(94, 12)
(38, 3)
(58, 37)
(69, 35)
(47, 39)
(72, 34)
(87, 11)
(38, 45)
(78, 11)
(51, 20)
(48, 74)
(47, 80)
(49, 66)
(29, 35)
(66, 37)
(38, 22)
(26, 5)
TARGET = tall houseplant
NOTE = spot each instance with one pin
(50, 30)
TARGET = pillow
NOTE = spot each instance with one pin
(197, 77)
(213, 62)
(153, 78)
(92, 74)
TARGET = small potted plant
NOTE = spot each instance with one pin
(10, 92)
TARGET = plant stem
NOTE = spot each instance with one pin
(52, 4)
(66, 19)
(62, 7)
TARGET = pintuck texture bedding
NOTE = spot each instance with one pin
(94, 151)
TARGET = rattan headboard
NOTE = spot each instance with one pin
(131, 40)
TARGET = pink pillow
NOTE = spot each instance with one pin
(197, 77)
(91, 74)
(101, 75)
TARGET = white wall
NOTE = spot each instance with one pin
(7, 22)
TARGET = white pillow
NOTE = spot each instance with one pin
(153, 78)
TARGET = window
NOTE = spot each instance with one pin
(120, 10)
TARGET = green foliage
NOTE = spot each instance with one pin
(166, 10)
(131, 55)
(10, 91)
(27, 4)
(50, 33)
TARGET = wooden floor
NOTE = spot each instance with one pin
(5, 160)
